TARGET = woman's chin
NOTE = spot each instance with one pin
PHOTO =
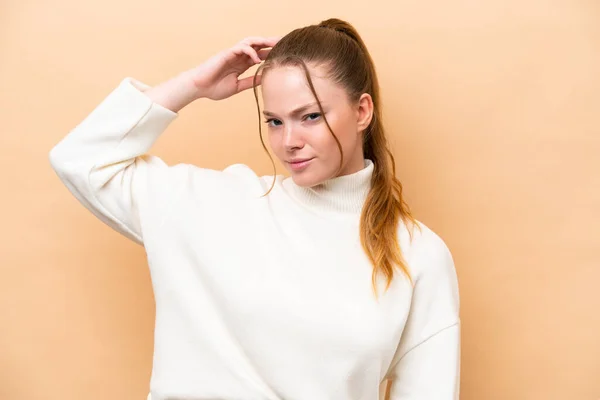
(300, 179)
(307, 176)
(304, 179)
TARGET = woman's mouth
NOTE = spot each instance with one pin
(300, 165)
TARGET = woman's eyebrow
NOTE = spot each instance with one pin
(295, 112)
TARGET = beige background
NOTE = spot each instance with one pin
(493, 110)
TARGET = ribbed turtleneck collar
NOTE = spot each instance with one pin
(340, 195)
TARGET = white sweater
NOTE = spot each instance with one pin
(263, 298)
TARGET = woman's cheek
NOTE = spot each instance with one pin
(275, 143)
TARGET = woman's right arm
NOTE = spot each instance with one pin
(103, 161)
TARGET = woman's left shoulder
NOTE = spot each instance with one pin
(425, 250)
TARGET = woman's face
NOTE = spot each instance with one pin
(298, 132)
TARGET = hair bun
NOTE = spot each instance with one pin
(340, 26)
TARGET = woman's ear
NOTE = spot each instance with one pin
(365, 111)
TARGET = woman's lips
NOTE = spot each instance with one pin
(298, 166)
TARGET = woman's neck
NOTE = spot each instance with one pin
(342, 195)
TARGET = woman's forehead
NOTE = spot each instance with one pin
(287, 87)
(291, 76)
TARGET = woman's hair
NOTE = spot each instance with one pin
(337, 46)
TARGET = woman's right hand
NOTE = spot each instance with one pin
(217, 78)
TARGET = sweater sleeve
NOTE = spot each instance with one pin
(426, 365)
(103, 160)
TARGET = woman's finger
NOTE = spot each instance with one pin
(248, 50)
(247, 83)
(263, 53)
(259, 41)
(251, 53)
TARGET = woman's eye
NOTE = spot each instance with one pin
(273, 122)
(313, 116)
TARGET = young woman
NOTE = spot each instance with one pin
(269, 287)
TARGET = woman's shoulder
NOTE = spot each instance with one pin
(236, 178)
(425, 249)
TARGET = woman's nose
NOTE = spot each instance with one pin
(292, 139)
